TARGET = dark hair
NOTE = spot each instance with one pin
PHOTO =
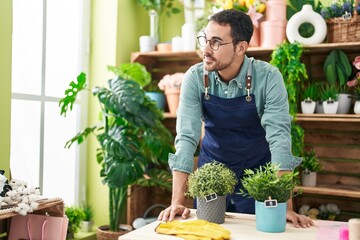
(240, 23)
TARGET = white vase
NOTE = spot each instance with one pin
(330, 107)
(308, 107)
(344, 103)
(306, 15)
(357, 107)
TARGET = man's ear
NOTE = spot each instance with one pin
(242, 47)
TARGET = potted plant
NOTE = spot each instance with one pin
(75, 215)
(310, 96)
(337, 69)
(271, 193)
(329, 96)
(310, 165)
(209, 185)
(134, 144)
(171, 85)
(87, 223)
(156, 8)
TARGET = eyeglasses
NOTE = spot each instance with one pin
(214, 43)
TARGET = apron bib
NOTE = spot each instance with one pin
(235, 137)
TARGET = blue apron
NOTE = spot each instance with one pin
(235, 137)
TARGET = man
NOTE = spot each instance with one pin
(243, 103)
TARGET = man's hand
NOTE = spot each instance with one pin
(169, 213)
(298, 220)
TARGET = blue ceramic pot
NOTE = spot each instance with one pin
(270, 219)
(158, 97)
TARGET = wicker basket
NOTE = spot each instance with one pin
(342, 30)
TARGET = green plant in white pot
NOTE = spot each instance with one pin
(329, 96)
(310, 95)
(133, 143)
(271, 193)
(88, 221)
(209, 185)
(310, 165)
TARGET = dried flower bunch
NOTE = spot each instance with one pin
(340, 8)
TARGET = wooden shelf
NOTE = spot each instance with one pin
(351, 192)
(327, 117)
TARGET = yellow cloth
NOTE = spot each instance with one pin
(194, 230)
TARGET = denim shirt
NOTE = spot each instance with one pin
(271, 104)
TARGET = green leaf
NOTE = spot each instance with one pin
(132, 71)
(71, 93)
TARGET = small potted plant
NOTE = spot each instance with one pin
(171, 84)
(210, 184)
(309, 166)
(271, 193)
(87, 223)
(329, 97)
(75, 215)
(310, 96)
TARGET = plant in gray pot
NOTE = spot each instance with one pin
(271, 193)
(309, 166)
(209, 185)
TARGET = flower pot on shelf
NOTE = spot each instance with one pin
(319, 108)
(357, 107)
(172, 98)
(330, 107)
(86, 226)
(158, 97)
(308, 178)
(344, 103)
(308, 107)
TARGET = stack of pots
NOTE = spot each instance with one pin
(273, 29)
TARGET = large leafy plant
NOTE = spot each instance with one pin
(265, 182)
(134, 144)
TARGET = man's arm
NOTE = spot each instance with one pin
(178, 199)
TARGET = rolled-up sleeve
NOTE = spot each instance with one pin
(188, 123)
(277, 122)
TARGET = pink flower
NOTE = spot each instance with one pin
(356, 63)
(352, 83)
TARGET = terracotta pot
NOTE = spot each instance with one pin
(103, 233)
(276, 10)
(255, 39)
(268, 38)
(172, 98)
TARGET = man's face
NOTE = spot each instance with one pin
(222, 58)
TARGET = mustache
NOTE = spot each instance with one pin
(208, 56)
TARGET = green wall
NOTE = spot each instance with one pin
(5, 82)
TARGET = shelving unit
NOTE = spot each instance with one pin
(335, 138)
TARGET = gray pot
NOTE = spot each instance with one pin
(212, 211)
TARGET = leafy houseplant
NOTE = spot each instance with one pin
(75, 215)
(134, 144)
(210, 184)
(310, 95)
(310, 166)
(271, 193)
(86, 224)
(287, 58)
(329, 96)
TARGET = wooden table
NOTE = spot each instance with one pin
(242, 226)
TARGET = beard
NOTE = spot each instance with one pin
(217, 65)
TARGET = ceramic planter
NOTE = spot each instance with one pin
(308, 107)
(357, 107)
(86, 226)
(212, 211)
(172, 98)
(344, 103)
(319, 108)
(270, 219)
(158, 97)
(308, 178)
(330, 107)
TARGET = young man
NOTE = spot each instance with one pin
(244, 106)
